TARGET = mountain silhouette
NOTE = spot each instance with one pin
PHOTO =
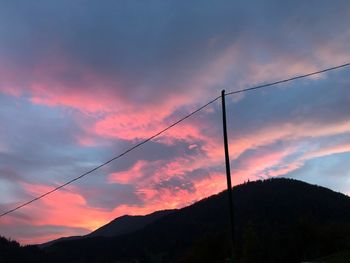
(127, 224)
(122, 225)
(276, 220)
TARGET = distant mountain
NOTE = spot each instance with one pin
(61, 239)
(120, 226)
(277, 220)
(127, 224)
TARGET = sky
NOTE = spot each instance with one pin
(82, 81)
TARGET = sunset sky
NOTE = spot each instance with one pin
(82, 81)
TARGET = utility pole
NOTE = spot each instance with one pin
(228, 174)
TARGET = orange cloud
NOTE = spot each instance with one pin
(130, 176)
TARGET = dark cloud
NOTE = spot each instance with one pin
(9, 173)
(156, 49)
(100, 194)
(37, 139)
(175, 184)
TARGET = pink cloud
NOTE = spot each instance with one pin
(285, 169)
(61, 208)
(335, 149)
(267, 159)
(169, 197)
(130, 176)
(287, 132)
(86, 141)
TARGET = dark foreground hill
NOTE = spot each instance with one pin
(279, 220)
(11, 251)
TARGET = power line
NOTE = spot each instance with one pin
(167, 128)
(288, 80)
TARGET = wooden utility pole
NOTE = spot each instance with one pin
(228, 174)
